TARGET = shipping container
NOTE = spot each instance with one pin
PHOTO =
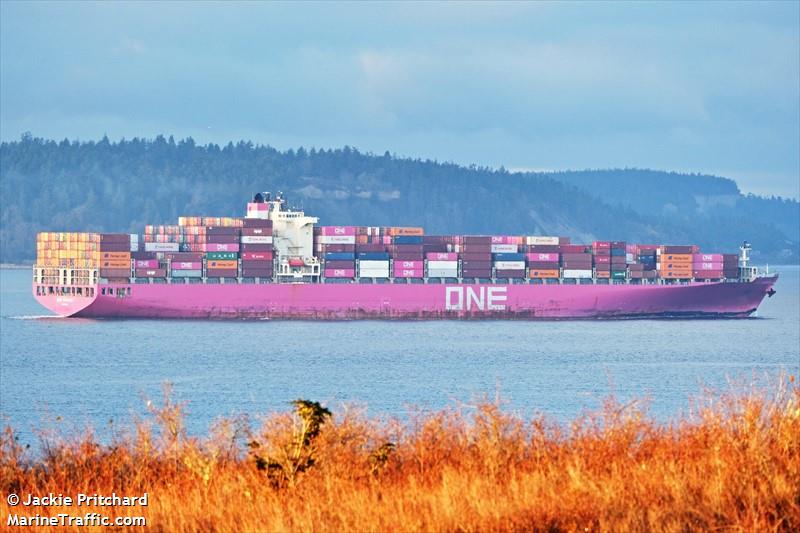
(504, 248)
(114, 272)
(676, 250)
(222, 264)
(707, 274)
(544, 265)
(577, 273)
(186, 265)
(253, 272)
(442, 265)
(340, 273)
(257, 232)
(407, 256)
(440, 256)
(337, 230)
(408, 272)
(509, 265)
(373, 256)
(221, 256)
(476, 257)
(508, 257)
(187, 273)
(256, 222)
(543, 249)
(370, 264)
(533, 240)
(340, 256)
(542, 258)
(256, 239)
(476, 272)
(145, 263)
(335, 239)
(442, 272)
(151, 272)
(544, 273)
(222, 273)
(228, 239)
(340, 264)
(259, 256)
(708, 266)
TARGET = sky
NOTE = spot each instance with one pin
(685, 86)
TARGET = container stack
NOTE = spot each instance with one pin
(115, 256)
(730, 266)
(675, 262)
(476, 256)
(645, 265)
(336, 245)
(619, 265)
(707, 266)
(543, 265)
(442, 264)
(509, 265)
(257, 248)
(407, 254)
(601, 253)
(185, 264)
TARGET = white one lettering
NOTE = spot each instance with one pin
(480, 299)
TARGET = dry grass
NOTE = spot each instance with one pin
(733, 465)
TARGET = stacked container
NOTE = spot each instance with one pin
(257, 248)
(183, 264)
(115, 257)
(707, 266)
(442, 264)
(675, 262)
(619, 262)
(407, 254)
(476, 256)
(730, 266)
(509, 265)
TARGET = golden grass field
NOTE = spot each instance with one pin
(732, 464)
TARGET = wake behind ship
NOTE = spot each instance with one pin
(278, 263)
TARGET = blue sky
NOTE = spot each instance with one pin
(697, 87)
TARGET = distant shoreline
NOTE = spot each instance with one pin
(14, 266)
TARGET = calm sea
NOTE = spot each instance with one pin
(91, 371)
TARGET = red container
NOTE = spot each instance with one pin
(576, 257)
(143, 255)
(340, 265)
(256, 232)
(517, 273)
(409, 264)
(601, 245)
(256, 264)
(151, 272)
(256, 223)
(340, 273)
(636, 267)
(602, 259)
(222, 238)
(477, 265)
(576, 265)
(184, 256)
(476, 239)
(476, 273)
(708, 274)
(115, 238)
(677, 249)
(256, 272)
(114, 246)
(256, 247)
(618, 260)
(542, 265)
(603, 268)
(406, 248)
(222, 272)
(257, 256)
(337, 248)
(707, 258)
(476, 256)
(146, 263)
(370, 247)
(222, 230)
(544, 248)
(572, 248)
(115, 272)
(407, 256)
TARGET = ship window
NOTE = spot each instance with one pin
(103, 291)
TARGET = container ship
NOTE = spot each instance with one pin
(278, 263)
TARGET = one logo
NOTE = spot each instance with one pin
(479, 299)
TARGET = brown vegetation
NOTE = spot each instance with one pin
(734, 464)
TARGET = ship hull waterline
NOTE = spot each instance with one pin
(316, 301)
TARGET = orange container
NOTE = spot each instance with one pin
(115, 263)
(116, 256)
(676, 259)
(406, 231)
(222, 264)
(544, 274)
(603, 274)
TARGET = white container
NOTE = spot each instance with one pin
(161, 247)
(577, 274)
(629, 258)
(442, 265)
(541, 240)
(509, 265)
(442, 273)
(504, 248)
(187, 273)
(336, 239)
(256, 239)
(372, 264)
(373, 273)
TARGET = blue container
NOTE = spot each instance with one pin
(408, 239)
(618, 252)
(340, 256)
(508, 257)
(373, 256)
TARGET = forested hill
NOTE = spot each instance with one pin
(121, 186)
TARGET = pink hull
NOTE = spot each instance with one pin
(413, 301)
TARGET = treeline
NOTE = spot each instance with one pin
(121, 186)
